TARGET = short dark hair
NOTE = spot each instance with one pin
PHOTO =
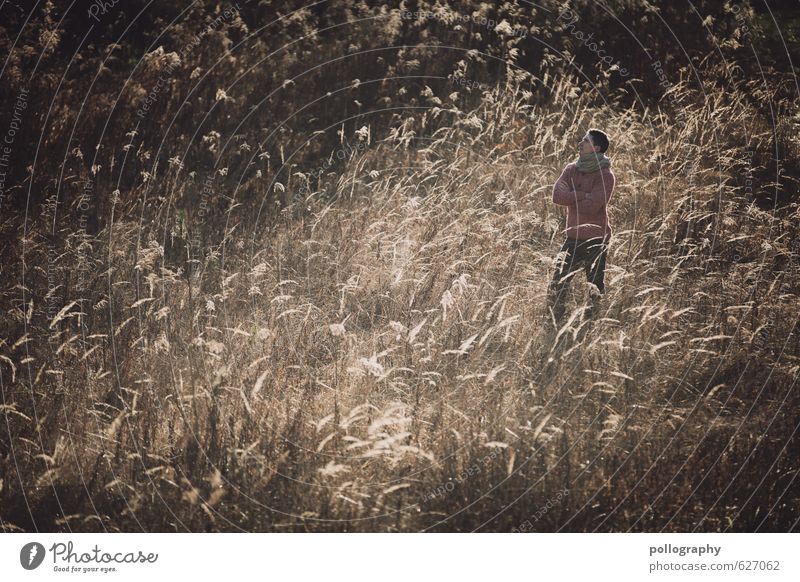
(600, 139)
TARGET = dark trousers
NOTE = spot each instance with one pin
(589, 255)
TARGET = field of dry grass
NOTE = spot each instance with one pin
(379, 360)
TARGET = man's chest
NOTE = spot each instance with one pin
(583, 182)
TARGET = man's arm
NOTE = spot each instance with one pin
(592, 202)
(563, 194)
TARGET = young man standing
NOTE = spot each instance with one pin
(585, 188)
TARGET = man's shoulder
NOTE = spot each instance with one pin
(605, 172)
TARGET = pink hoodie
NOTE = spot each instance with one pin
(586, 213)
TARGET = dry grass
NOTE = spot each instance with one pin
(379, 361)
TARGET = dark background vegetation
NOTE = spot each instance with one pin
(87, 79)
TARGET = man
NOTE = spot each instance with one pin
(585, 188)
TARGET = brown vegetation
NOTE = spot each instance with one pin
(203, 337)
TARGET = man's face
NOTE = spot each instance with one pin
(585, 146)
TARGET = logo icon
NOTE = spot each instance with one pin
(31, 555)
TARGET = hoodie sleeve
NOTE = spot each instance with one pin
(600, 194)
(563, 194)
